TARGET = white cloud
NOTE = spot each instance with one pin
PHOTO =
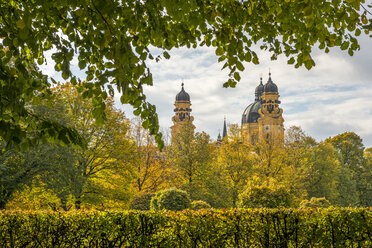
(331, 98)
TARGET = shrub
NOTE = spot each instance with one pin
(197, 205)
(314, 202)
(171, 199)
(265, 197)
(331, 227)
(141, 201)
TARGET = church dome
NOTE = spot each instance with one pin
(250, 114)
(182, 96)
(270, 86)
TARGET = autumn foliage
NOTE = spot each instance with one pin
(333, 227)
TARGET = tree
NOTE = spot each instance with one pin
(16, 171)
(112, 41)
(151, 169)
(322, 168)
(350, 149)
(84, 172)
(236, 160)
(189, 155)
(366, 180)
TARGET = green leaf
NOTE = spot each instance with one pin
(237, 76)
(82, 64)
(240, 66)
(345, 45)
(219, 51)
(166, 55)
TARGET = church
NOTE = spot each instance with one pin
(262, 120)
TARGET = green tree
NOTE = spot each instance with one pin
(86, 172)
(282, 164)
(366, 179)
(236, 160)
(112, 41)
(322, 169)
(16, 170)
(150, 166)
(190, 155)
(350, 149)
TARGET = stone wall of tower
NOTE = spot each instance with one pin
(270, 124)
(250, 133)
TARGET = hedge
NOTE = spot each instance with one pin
(341, 227)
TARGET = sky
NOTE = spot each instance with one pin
(333, 97)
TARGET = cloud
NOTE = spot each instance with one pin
(331, 98)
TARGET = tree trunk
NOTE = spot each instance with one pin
(5, 195)
(2, 204)
(64, 204)
(78, 203)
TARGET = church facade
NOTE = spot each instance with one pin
(262, 119)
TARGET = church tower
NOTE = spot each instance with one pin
(182, 112)
(262, 120)
(270, 124)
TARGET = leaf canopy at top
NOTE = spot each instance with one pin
(111, 40)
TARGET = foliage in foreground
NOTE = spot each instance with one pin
(344, 227)
(112, 42)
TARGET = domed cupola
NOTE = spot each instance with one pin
(270, 87)
(182, 96)
(259, 90)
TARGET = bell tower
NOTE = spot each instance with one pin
(182, 112)
(270, 123)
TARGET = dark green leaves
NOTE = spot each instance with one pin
(111, 40)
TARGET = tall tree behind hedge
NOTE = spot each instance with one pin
(17, 170)
(102, 160)
(322, 169)
(189, 155)
(236, 160)
(352, 186)
(149, 164)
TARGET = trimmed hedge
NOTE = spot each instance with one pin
(345, 227)
(170, 199)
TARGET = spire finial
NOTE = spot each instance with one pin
(261, 78)
(269, 72)
(224, 132)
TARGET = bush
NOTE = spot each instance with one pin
(197, 205)
(265, 197)
(315, 203)
(171, 199)
(141, 201)
(331, 227)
